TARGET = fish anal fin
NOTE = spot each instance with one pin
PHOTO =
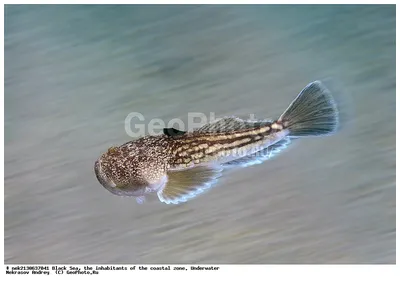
(186, 184)
(260, 156)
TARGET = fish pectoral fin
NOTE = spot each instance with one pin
(260, 156)
(172, 132)
(186, 184)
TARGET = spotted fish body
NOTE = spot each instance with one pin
(180, 165)
(205, 146)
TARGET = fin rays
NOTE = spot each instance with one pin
(260, 156)
(229, 124)
(184, 185)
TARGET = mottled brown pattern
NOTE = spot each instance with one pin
(141, 163)
(69, 85)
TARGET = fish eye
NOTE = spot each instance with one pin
(112, 149)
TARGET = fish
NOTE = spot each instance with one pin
(179, 165)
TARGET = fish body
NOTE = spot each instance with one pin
(179, 165)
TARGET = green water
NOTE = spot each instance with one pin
(73, 74)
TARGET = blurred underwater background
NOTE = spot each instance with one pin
(74, 72)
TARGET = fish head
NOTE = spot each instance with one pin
(127, 174)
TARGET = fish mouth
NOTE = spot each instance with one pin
(101, 176)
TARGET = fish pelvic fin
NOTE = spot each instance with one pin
(141, 199)
(312, 113)
(187, 184)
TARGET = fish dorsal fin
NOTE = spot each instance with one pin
(186, 184)
(172, 132)
(229, 124)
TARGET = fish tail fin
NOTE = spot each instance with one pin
(312, 113)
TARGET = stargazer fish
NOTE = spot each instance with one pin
(179, 165)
